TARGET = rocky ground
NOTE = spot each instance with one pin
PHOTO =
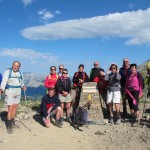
(32, 135)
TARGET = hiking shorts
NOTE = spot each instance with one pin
(113, 97)
(65, 99)
(11, 100)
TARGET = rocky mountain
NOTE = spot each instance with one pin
(142, 68)
(35, 85)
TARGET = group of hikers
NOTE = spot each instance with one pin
(124, 83)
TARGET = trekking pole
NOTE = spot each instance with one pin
(143, 109)
(24, 125)
(25, 97)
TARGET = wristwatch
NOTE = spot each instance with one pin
(47, 117)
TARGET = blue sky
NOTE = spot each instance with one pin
(51, 32)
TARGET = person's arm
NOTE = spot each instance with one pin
(5, 80)
(68, 88)
(0, 78)
(91, 75)
(43, 107)
(22, 83)
(75, 79)
(140, 85)
(86, 78)
(47, 82)
(59, 86)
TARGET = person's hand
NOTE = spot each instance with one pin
(24, 88)
(65, 93)
(140, 96)
(109, 72)
(81, 81)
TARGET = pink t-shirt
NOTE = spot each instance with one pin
(133, 82)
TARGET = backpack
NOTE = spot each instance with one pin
(138, 76)
(81, 116)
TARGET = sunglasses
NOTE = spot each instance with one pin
(113, 68)
(65, 73)
(61, 68)
(53, 69)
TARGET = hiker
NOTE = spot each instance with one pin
(0, 78)
(113, 93)
(51, 79)
(50, 105)
(147, 79)
(123, 71)
(102, 87)
(61, 67)
(64, 89)
(94, 73)
(78, 79)
(134, 91)
(0, 81)
(11, 85)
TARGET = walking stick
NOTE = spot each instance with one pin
(25, 97)
(144, 108)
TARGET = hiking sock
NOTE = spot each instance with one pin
(9, 126)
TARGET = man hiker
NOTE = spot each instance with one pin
(124, 71)
(11, 85)
(78, 79)
(51, 105)
(94, 73)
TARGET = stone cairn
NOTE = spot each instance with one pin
(90, 93)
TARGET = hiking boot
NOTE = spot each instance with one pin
(57, 124)
(132, 118)
(61, 120)
(136, 122)
(69, 119)
(111, 120)
(118, 121)
(9, 127)
(14, 125)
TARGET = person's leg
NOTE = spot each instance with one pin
(124, 115)
(58, 115)
(47, 122)
(62, 109)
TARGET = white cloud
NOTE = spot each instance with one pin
(27, 2)
(133, 25)
(57, 12)
(28, 54)
(45, 15)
